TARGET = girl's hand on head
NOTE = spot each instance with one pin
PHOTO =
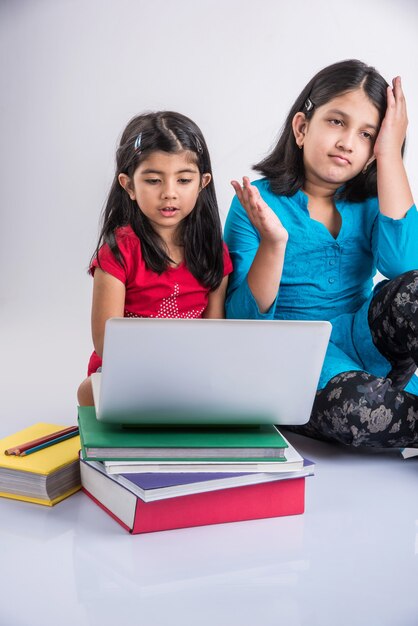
(393, 188)
(393, 129)
(259, 213)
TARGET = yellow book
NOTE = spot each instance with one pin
(13, 496)
(43, 477)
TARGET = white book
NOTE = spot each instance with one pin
(407, 453)
(160, 486)
(293, 462)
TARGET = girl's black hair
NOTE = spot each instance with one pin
(283, 167)
(200, 232)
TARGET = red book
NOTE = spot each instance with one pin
(272, 499)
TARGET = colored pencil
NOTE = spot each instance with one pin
(52, 442)
(17, 450)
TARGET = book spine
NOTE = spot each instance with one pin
(104, 508)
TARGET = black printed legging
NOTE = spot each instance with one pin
(358, 409)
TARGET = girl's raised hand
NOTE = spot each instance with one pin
(393, 129)
(259, 213)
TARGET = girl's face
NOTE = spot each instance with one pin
(166, 187)
(338, 140)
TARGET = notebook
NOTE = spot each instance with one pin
(207, 371)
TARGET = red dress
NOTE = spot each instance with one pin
(174, 293)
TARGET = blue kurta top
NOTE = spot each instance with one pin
(326, 278)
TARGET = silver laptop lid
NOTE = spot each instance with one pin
(174, 371)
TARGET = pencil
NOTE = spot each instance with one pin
(49, 443)
(17, 450)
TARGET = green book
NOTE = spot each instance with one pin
(102, 441)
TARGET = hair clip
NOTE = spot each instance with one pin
(309, 105)
(198, 145)
(138, 142)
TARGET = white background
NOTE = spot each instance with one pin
(73, 72)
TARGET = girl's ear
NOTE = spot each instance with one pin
(299, 126)
(126, 183)
(205, 180)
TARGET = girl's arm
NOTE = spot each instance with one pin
(394, 192)
(216, 302)
(266, 269)
(108, 301)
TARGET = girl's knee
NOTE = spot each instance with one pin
(409, 281)
(405, 297)
(85, 393)
(399, 295)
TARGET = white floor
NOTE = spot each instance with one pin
(351, 559)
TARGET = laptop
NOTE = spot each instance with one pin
(209, 371)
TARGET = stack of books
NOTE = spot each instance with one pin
(151, 479)
(40, 464)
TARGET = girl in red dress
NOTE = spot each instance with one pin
(160, 251)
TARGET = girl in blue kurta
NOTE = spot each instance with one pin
(333, 207)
